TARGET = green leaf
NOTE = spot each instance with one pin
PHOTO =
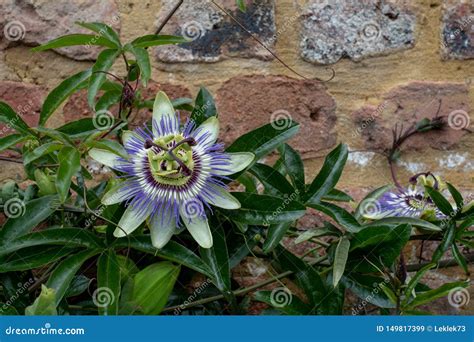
(109, 145)
(143, 61)
(315, 232)
(294, 167)
(104, 31)
(456, 196)
(173, 251)
(11, 140)
(74, 39)
(378, 246)
(41, 151)
(395, 221)
(460, 259)
(367, 288)
(340, 259)
(372, 196)
(44, 305)
(9, 117)
(104, 62)
(442, 203)
(329, 175)
(78, 129)
(282, 299)
(204, 107)
(241, 5)
(69, 164)
(59, 94)
(217, 259)
(32, 257)
(69, 237)
(446, 242)
(337, 196)
(265, 139)
(63, 274)
(153, 285)
(108, 283)
(428, 296)
(79, 285)
(35, 212)
(107, 100)
(340, 215)
(155, 40)
(55, 135)
(276, 232)
(273, 181)
(264, 209)
(416, 279)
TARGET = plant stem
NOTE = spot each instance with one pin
(243, 291)
(168, 17)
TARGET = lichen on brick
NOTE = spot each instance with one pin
(331, 30)
(213, 35)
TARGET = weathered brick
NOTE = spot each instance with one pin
(36, 22)
(213, 35)
(331, 30)
(248, 102)
(26, 99)
(457, 29)
(408, 104)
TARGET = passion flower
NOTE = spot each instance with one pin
(412, 201)
(172, 174)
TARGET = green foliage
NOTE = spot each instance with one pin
(63, 237)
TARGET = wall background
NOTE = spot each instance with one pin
(402, 59)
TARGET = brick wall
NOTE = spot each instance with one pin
(395, 62)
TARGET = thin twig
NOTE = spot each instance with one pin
(168, 17)
(268, 49)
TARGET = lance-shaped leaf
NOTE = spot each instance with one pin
(340, 259)
(273, 181)
(103, 31)
(204, 107)
(329, 175)
(9, 117)
(155, 40)
(265, 210)
(75, 39)
(152, 287)
(104, 62)
(63, 274)
(108, 283)
(59, 94)
(33, 257)
(143, 61)
(294, 167)
(11, 140)
(265, 139)
(69, 164)
(34, 212)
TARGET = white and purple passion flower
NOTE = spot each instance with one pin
(171, 174)
(412, 201)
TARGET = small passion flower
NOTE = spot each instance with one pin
(412, 201)
(171, 175)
